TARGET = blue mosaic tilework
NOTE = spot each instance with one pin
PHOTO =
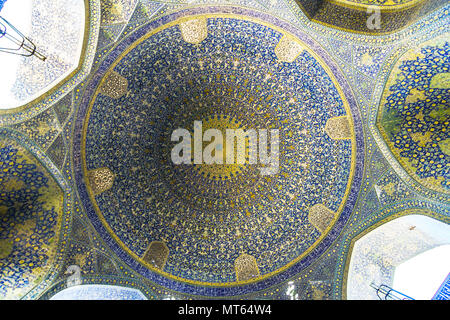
(184, 286)
(42, 129)
(24, 250)
(55, 245)
(2, 3)
(371, 111)
(443, 292)
(313, 276)
(232, 213)
(415, 117)
(368, 60)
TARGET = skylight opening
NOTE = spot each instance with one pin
(19, 14)
(421, 276)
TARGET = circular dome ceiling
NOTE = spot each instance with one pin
(220, 226)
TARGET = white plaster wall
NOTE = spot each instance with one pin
(376, 255)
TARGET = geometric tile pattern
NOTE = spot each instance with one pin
(217, 265)
(377, 193)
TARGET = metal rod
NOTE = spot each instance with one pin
(24, 43)
(389, 293)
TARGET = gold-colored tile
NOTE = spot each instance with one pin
(156, 254)
(100, 180)
(194, 31)
(114, 85)
(246, 267)
(320, 217)
(288, 49)
(338, 128)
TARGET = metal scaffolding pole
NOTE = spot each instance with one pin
(385, 292)
(14, 42)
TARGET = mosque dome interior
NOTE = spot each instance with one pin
(224, 149)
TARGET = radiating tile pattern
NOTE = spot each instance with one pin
(183, 83)
(384, 193)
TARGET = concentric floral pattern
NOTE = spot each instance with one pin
(208, 216)
(30, 211)
(415, 114)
